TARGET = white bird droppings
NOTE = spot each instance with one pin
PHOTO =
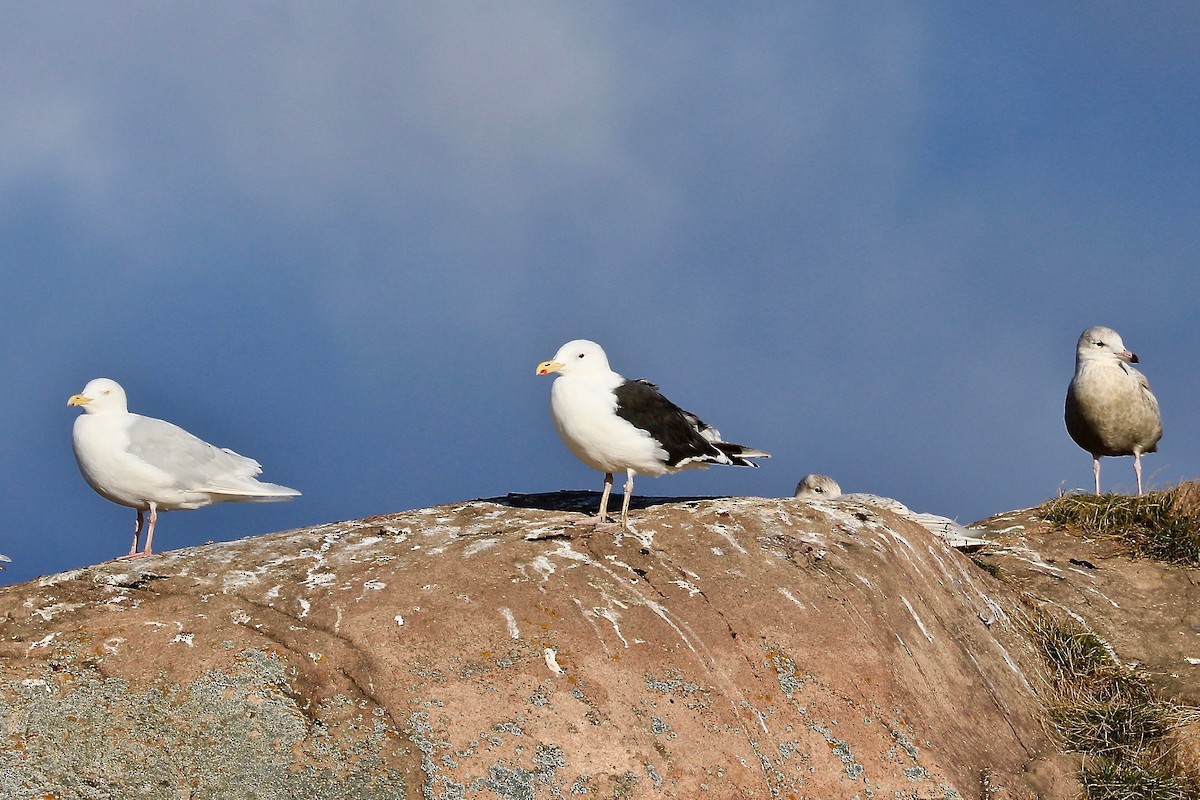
(513, 632)
(551, 656)
(920, 624)
(783, 591)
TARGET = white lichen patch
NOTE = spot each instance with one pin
(236, 579)
(69, 575)
(550, 654)
(50, 612)
(365, 543)
(399, 620)
(43, 642)
(478, 546)
(184, 638)
(374, 585)
(316, 579)
(542, 565)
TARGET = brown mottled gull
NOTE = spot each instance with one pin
(823, 487)
(1110, 409)
(151, 465)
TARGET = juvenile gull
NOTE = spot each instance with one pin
(1110, 409)
(823, 487)
(614, 424)
(152, 465)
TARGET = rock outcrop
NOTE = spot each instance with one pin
(1148, 611)
(734, 647)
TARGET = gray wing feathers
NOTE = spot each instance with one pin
(194, 464)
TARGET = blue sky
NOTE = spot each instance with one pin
(338, 239)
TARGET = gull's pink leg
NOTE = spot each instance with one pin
(625, 502)
(602, 514)
(600, 521)
(150, 532)
(1137, 470)
(1096, 472)
(133, 552)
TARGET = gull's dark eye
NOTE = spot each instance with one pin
(581, 355)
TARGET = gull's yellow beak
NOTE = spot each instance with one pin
(78, 400)
(544, 368)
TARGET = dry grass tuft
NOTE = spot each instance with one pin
(1106, 710)
(1161, 525)
(1119, 779)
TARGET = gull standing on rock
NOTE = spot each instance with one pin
(1110, 409)
(152, 465)
(823, 487)
(614, 424)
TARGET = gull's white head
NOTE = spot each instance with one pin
(579, 357)
(100, 395)
(1100, 343)
(818, 487)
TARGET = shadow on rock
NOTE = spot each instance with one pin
(584, 502)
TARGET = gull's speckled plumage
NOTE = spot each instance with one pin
(1110, 410)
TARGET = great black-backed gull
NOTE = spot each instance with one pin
(1110, 410)
(823, 487)
(151, 465)
(614, 424)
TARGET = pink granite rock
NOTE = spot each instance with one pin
(491, 649)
